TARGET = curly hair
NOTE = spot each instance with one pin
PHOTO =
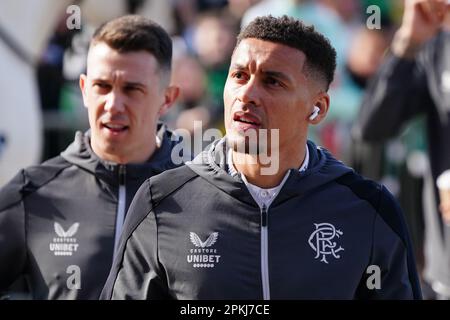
(320, 54)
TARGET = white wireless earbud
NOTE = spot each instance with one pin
(315, 113)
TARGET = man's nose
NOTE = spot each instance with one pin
(249, 93)
(114, 102)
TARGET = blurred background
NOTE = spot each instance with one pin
(41, 60)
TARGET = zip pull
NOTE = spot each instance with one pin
(264, 216)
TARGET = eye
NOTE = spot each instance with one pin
(239, 75)
(273, 82)
(102, 86)
(132, 89)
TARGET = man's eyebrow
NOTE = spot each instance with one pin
(238, 66)
(127, 83)
(100, 79)
(271, 73)
(278, 75)
(134, 84)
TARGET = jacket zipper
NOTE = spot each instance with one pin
(264, 253)
(120, 216)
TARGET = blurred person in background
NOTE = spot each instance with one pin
(365, 53)
(398, 163)
(414, 79)
(190, 77)
(364, 57)
(60, 221)
(194, 109)
(53, 92)
(214, 40)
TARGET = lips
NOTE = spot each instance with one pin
(247, 118)
(243, 121)
(115, 127)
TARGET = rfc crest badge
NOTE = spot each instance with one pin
(322, 241)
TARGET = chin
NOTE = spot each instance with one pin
(246, 144)
(110, 148)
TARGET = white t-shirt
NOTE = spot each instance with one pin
(262, 196)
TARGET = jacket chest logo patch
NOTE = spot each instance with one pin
(203, 255)
(322, 241)
(65, 243)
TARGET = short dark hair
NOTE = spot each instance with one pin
(320, 55)
(134, 33)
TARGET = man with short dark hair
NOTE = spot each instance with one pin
(233, 225)
(60, 221)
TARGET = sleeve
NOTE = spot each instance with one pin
(398, 92)
(13, 252)
(392, 273)
(135, 273)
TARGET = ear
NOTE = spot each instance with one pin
(82, 82)
(322, 101)
(170, 96)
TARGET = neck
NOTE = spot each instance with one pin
(140, 156)
(271, 175)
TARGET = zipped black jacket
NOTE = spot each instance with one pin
(59, 220)
(195, 232)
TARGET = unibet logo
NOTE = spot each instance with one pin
(195, 239)
(65, 234)
(203, 256)
(65, 244)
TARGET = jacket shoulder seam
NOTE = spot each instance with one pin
(375, 204)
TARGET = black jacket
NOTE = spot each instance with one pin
(58, 220)
(202, 236)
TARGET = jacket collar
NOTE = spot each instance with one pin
(80, 153)
(211, 164)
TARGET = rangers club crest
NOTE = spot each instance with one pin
(322, 241)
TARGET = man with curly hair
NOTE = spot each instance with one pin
(264, 213)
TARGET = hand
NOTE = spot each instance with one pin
(422, 19)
